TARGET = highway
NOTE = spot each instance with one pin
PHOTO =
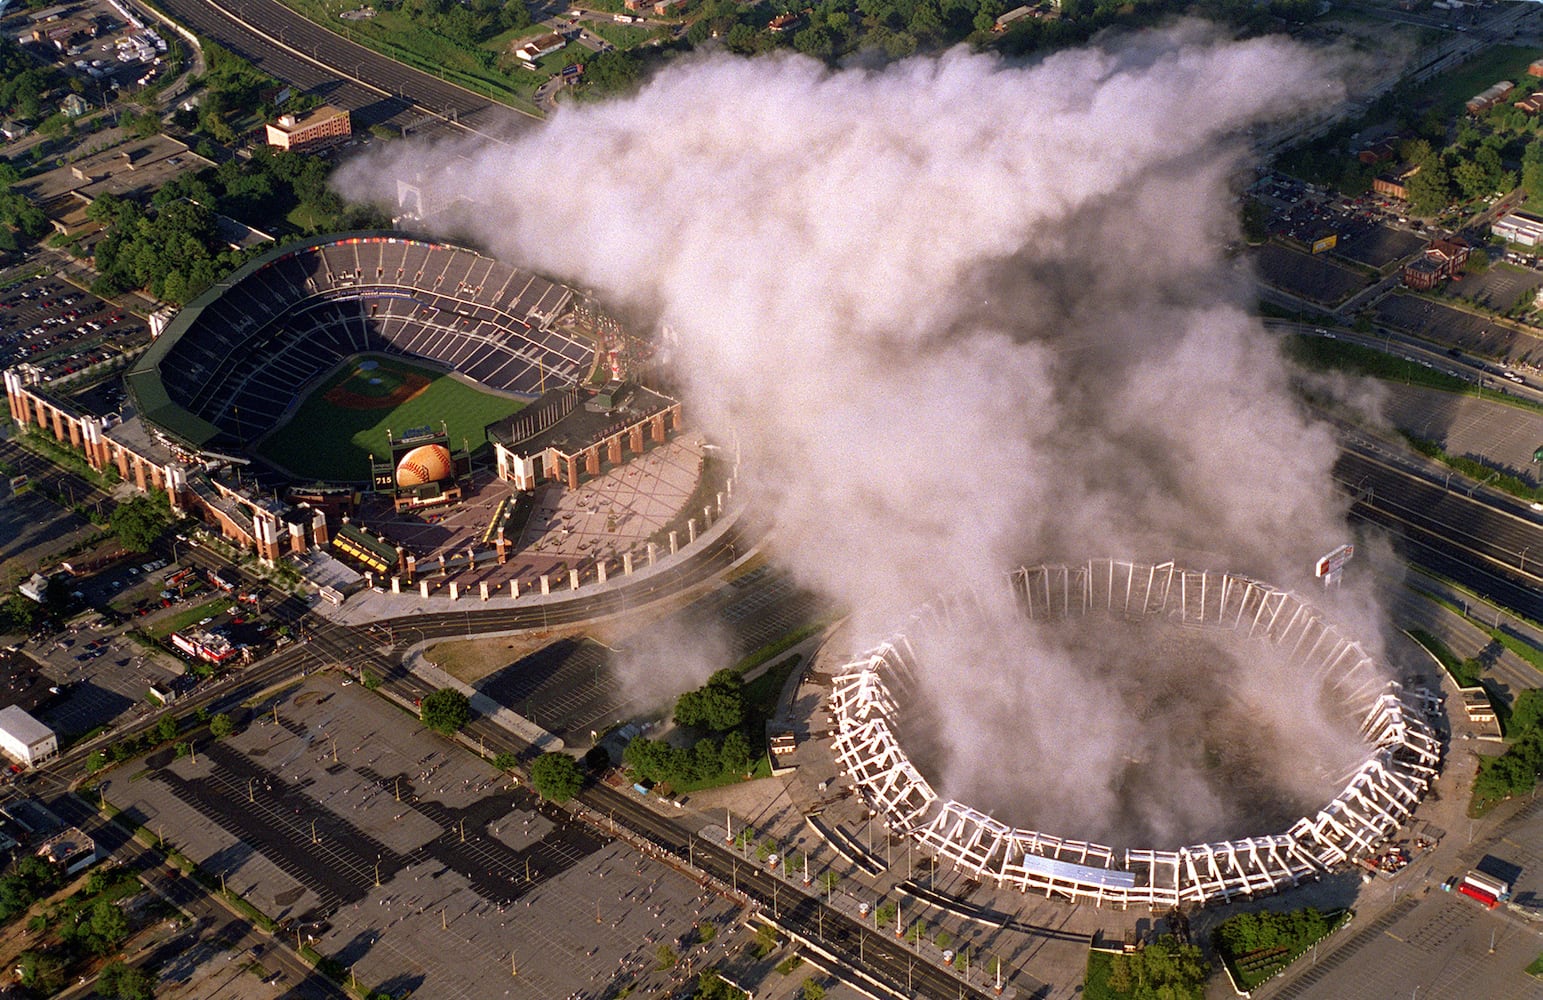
(1486, 543)
(373, 88)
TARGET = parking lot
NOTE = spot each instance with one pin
(1499, 288)
(1446, 325)
(1379, 245)
(100, 673)
(412, 863)
(1306, 276)
(572, 686)
(61, 329)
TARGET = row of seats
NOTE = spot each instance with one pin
(251, 351)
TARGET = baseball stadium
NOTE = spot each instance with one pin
(396, 399)
(310, 351)
(882, 742)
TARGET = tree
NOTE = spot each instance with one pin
(1527, 711)
(718, 705)
(96, 761)
(1163, 969)
(1429, 190)
(19, 614)
(710, 986)
(1532, 171)
(139, 521)
(166, 728)
(125, 982)
(445, 711)
(556, 776)
(811, 990)
(108, 927)
(505, 761)
(734, 758)
(220, 726)
(40, 971)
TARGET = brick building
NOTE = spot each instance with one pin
(314, 129)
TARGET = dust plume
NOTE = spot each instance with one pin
(959, 313)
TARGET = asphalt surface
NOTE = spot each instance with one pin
(1486, 543)
(211, 918)
(373, 88)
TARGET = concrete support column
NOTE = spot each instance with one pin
(674, 543)
(600, 571)
(455, 591)
(514, 588)
(592, 460)
(635, 439)
(484, 586)
(423, 589)
(653, 553)
(626, 564)
(690, 531)
(573, 579)
(613, 449)
(443, 571)
(720, 503)
(656, 428)
(396, 585)
(546, 583)
(412, 567)
(573, 472)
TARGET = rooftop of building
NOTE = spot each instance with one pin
(19, 723)
(132, 433)
(66, 844)
(132, 167)
(305, 119)
(583, 426)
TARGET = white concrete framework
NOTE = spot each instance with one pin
(1402, 760)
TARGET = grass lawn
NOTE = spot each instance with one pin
(394, 34)
(328, 441)
(183, 619)
(623, 36)
(1452, 90)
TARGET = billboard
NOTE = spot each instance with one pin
(427, 463)
(1325, 243)
(421, 470)
(1329, 566)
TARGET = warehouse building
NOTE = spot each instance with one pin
(25, 739)
(1518, 227)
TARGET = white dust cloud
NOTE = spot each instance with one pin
(959, 313)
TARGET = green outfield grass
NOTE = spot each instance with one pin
(328, 441)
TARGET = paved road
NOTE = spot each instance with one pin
(376, 89)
